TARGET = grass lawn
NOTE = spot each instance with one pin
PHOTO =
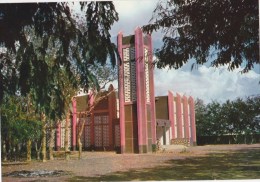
(241, 164)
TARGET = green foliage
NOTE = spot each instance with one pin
(46, 55)
(224, 31)
(209, 118)
(28, 34)
(19, 122)
(238, 117)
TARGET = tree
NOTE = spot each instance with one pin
(46, 46)
(201, 122)
(233, 122)
(215, 119)
(211, 119)
(103, 76)
(222, 31)
(59, 85)
(235, 118)
(52, 23)
(20, 124)
(252, 124)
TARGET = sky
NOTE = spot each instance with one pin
(207, 83)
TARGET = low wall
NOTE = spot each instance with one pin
(181, 141)
(228, 139)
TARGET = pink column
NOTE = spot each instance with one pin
(121, 92)
(140, 89)
(186, 121)
(74, 122)
(178, 116)
(171, 112)
(58, 137)
(112, 113)
(192, 121)
(152, 97)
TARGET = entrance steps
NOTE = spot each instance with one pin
(175, 148)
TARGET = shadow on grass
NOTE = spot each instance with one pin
(242, 164)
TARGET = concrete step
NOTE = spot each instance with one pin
(174, 147)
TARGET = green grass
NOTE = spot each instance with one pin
(243, 164)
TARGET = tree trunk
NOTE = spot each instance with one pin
(29, 150)
(81, 127)
(51, 144)
(19, 147)
(4, 151)
(9, 151)
(4, 145)
(14, 152)
(66, 142)
(38, 151)
(44, 140)
(252, 138)
(80, 147)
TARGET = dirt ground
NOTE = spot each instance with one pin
(100, 163)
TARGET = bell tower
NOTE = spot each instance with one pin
(136, 93)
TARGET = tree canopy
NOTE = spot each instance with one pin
(24, 62)
(19, 121)
(220, 31)
(238, 117)
(48, 52)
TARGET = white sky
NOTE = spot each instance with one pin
(206, 83)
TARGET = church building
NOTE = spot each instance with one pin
(132, 119)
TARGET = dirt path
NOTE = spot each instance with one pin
(100, 163)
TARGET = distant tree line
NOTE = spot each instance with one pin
(238, 121)
(20, 128)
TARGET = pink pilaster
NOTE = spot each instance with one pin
(185, 117)
(192, 121)
(152, 97)
(171, 112)
(178, 116)
(140, 88)
(58, 137)
(121, 92)
(112, 113)
(74, 122)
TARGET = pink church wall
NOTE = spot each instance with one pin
(121, 93)
(171, 112)
(181, 122)
(192, 118)
(140, 82)
(179, 116)
(185, 117)
(152, 95)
